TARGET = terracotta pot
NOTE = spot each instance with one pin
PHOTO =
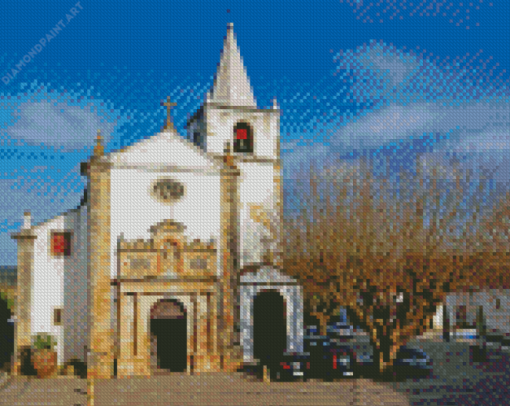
(45, 362)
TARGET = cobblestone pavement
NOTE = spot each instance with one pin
(207, 389)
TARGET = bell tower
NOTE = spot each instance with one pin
(230, 116)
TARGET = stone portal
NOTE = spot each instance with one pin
(269, 325)
(169, 335)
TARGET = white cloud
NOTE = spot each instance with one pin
(58, 124)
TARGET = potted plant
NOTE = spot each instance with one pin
(45, 356)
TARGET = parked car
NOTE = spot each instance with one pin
(291, 365)
(328, 359)
(364, 358)
(340, 330)
(412, 360)
(409, 362)
(313, 342)
(333, 361)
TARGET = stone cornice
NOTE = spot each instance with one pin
(168, 168)
(156, 279)
(239, 157)
(241, 108)
(100, 164)
(202, 108)
(24, 235)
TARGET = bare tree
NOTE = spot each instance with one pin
(389, 255)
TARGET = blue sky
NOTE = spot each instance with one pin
(402, 80)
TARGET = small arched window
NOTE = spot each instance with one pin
(243, 138)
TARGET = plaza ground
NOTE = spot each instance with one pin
(207, 389)
(456, 380)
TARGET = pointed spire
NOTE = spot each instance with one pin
(231, 84)
(99, 148)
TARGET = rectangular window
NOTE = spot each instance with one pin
(498, 304)
(57, 317)
(61, 243)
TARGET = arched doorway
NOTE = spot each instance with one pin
(6, 334)
(269, 325)
(168, 331)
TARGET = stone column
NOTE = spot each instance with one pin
(125, 362)
(229, 246)
(26, 239)
(247, 293)
(101, 344)
(298, 317)
(278, 238)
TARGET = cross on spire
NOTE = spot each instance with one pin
(169, 105)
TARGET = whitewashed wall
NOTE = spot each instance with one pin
(134, 210)
(496, 319)
(220, 129)
(256, 187)
(53, 282)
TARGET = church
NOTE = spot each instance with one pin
(173, 260)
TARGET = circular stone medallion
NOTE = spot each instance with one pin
(168, 190)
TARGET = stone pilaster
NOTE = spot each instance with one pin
(101, 336)
(278, 238)
(26, 239)
(278, 185)
(229, 243)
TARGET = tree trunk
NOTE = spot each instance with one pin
(480, 323)
(383, 360)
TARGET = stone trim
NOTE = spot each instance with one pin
(115, 282)
(247, 158)
(271, 283)
(22, 332)
(292, 295)
(100, 340)
(135, 324)
(245, 109)
(161, 168)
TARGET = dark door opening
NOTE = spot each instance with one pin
(269, 326)
(6, 335)
(168, 327)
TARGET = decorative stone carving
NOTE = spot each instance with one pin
(167, 190)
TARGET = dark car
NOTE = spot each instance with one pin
(289, 366)
(409, 362)
(413, 359)
(314, 342)
(329, 360)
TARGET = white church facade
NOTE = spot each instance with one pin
(166, 263)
